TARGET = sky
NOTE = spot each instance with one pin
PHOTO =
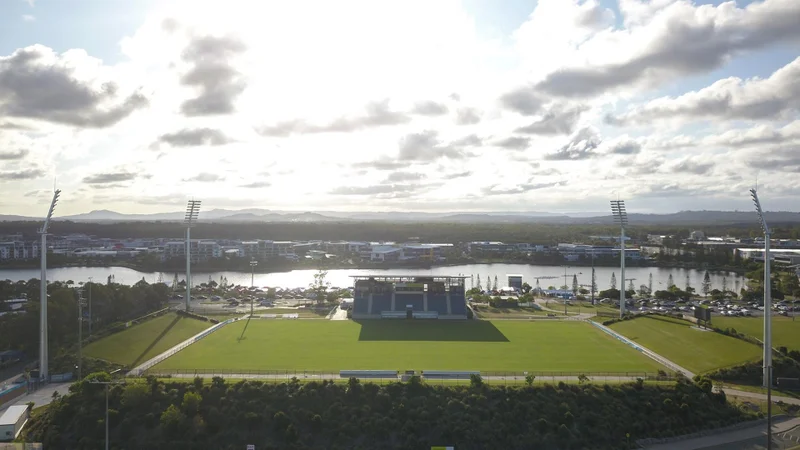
(355, 105)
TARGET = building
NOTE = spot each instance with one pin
(491, 247)
(382, 253)
(409, 296)
(18, 250)
(515, 281)
(697, 235)
(574, 252)
(428, 252)
(779, 256)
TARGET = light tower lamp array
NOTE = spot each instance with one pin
(192, 211)
(767, 292)
(43, 348)
(621, 219)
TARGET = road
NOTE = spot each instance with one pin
(41, 397)
(785, 431)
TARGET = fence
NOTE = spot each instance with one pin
(658, 358)
(137, 371)
(488, 377)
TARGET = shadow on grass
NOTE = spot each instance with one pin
(158, 338)
(429, 330)
(241, 338)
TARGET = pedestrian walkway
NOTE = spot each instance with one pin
(780, 426)
(337, 314)
(40, 397)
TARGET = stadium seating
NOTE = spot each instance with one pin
(368, 374)
(437, 303)
(361, 305)
(381, 302)
(447, 375)
(393, 314)
(426, 315)
(458, 305)
(415, 300)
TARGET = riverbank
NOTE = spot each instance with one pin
(288, 266)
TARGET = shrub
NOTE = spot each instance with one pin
(529, 379)
(475, 380)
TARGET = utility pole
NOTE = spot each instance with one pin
(621, 219)
(106, 383)
(192, 211)
(43, 343)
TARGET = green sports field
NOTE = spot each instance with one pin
(141, 342)
(317, 345)
(680, 342)
(785, 331)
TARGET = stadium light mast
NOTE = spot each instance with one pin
(192, 211)
(43, 357)
(767, 292)
(253, 264)
(767, 376)
(621, 219)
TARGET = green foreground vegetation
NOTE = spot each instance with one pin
(175, 415)
(141, 342)
(681, 342)
(785, 331)
(399, 345)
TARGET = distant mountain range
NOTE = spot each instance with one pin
(265, 215)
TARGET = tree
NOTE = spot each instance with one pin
(488, 283)
(495, 282)
(688, 283)
(526, 288)
(479, 282)
(706, 284)
(670, 282)
(575, 284)
(630, 285)
(320, 285)
(613, 280)
(650, 284)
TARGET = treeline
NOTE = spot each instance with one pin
(180, 415)
(377, 231)
(112, 304)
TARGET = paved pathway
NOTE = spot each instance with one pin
(41, 397)
(781, 426)
(337, 314)
(758, 396)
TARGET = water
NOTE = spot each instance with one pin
(341, 277)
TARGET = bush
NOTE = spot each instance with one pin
(475, 380)
(529, 379)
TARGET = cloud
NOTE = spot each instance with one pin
(729, 98)
(691, 165)
(581, 146)
(464, 174)
(28, 18)
(213, 75)
(193, 137)
(471, 140)
(560, 119)
(380, 164)
(36, 83)
(513, 143)
(377, 114)
(426, 146)
(784, 158)
(496, 189)
(205, 177)
(430, 108)
(627, 147)
(373, 190)
(110, 177)
(26, 174)
(467, 116)
(522, 101)
(672, 39)
(256, 185)
(396, 177)
(13, 155)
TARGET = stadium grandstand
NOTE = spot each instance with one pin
(409, 297)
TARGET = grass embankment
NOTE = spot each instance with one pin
(785, 331)
(420, 345)
(145, 340)
(682, 343)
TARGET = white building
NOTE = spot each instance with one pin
(18, 250)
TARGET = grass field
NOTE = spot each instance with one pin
(677, 340)
(488, 312)
(399, 345)
(785, 331)
(146, 340)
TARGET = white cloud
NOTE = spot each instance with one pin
(402, 105)
(28, 18)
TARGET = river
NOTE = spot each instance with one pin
(341, 277)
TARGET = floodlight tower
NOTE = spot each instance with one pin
(192, 211)
(43, 359)
(621, 219)
(767, 293)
